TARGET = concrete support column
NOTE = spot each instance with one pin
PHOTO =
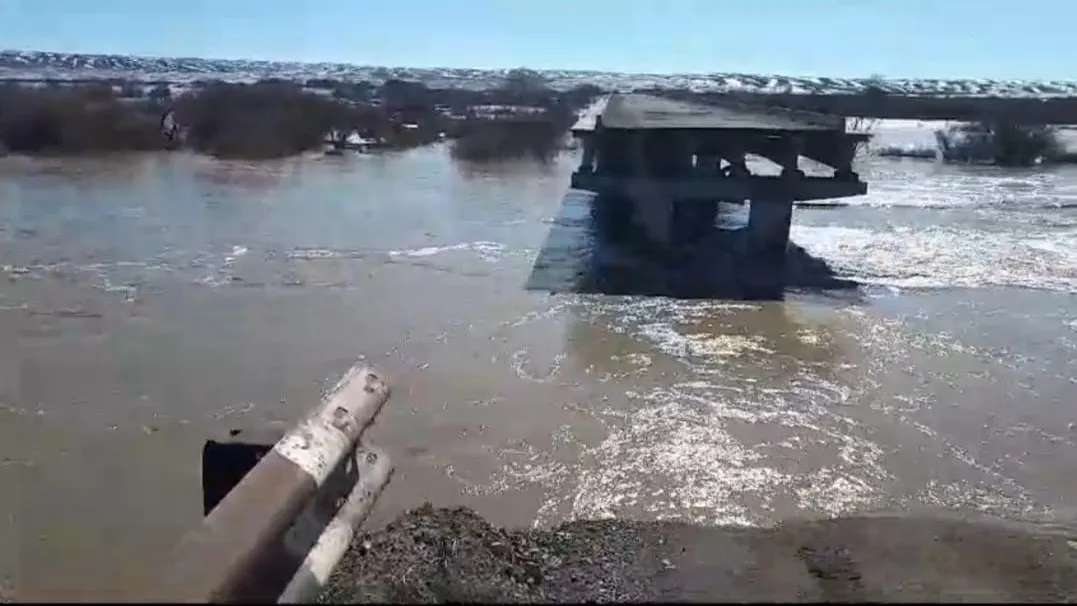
(637, 152)
(668, 221)
(652, 212)
(708, 165)
(612, 153)
(688, 215)
(682, 148)
(590, 145)
(611, 209)
(738, 163)
(843, 168)
(769, 222)
(693, 220)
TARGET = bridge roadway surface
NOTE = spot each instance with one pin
(646, 112)
(1025, 110)
(635, 111)
(678, 109)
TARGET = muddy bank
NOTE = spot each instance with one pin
(452, 555)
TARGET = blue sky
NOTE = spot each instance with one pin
(913, 38)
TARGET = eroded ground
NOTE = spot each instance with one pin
(452, 555)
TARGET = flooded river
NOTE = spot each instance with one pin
(149, 301)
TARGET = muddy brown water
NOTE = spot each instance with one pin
(148, 301)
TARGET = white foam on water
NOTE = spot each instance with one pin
(525, 367)
(312, 254)
(721, 446)
(901, 185)
(237, 252)
(682, 450)
(703, 344)
(679, 456)
(486, 250)
(216, 269)
(946, 256)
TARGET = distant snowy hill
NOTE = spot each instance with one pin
(37, 65)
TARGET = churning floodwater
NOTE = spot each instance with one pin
(148, 301)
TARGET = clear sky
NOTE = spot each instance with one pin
(900, 38)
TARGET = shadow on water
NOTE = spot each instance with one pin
(591, 249)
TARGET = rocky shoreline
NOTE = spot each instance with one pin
(432, 555)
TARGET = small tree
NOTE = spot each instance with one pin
(523, 80)
(1005, 142)
(131, 90)
(875, 90)
(160, 92)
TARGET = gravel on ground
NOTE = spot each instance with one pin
(437, 555)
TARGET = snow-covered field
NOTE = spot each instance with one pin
(66, 66)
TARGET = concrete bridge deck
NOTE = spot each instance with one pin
(1021, 110)
(639, 111)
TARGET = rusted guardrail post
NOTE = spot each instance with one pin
(280, 532)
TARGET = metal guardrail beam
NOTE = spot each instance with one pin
(278, 534)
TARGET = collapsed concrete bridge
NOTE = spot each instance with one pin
(667, 164)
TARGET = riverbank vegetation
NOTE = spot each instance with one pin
(991, 143)
(539, 137)
(277, 118)
(538, 133)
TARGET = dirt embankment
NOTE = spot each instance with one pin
(452, 555)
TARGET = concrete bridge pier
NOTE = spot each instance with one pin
(694, 219)
(703, 213)
(670, 223)
(770, 220)
(653, 215)
(612, 155)
(661, 157)
(768, 227)
(668, 220)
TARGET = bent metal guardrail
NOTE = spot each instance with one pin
(280, 531)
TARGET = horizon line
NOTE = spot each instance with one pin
(537, 69)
